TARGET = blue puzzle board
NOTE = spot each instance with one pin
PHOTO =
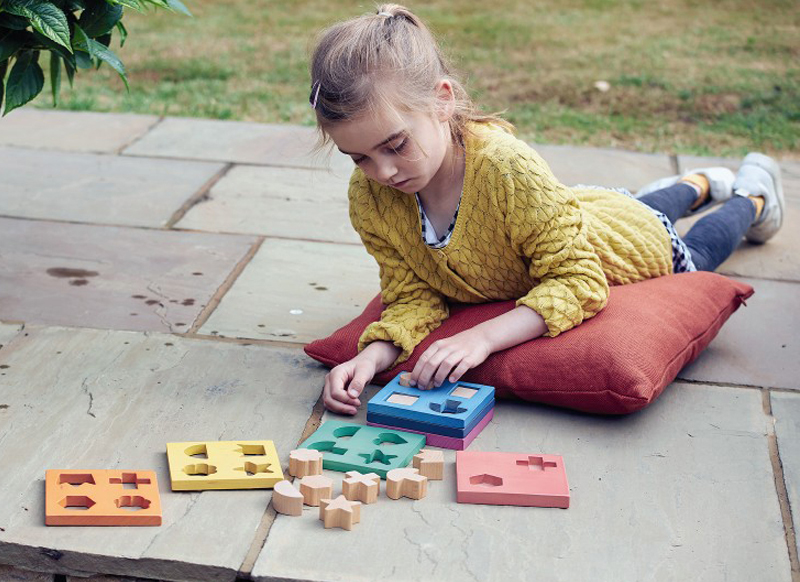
(427, 427)
(438, 406)
(355, 447)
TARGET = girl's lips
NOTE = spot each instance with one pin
(401, 184)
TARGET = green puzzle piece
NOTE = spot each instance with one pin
(367, 449)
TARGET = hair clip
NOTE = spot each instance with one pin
(314, 94)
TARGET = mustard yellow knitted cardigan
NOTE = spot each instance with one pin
(520, 234)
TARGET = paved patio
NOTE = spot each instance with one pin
(158, 279)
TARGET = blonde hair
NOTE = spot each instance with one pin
(385, 60)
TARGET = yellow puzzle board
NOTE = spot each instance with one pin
(198, 466)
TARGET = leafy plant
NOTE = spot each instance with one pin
(76, 33)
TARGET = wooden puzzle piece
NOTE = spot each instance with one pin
(339, 512)
(101, 498)
(443, 441)
(430, 464)
(286, 499)
(404, 379)
(454, 405)
(355, 447)
(198, 466)
(511, 479)
(406, 482)
(359, 487)
(316, 487)
(304, 462)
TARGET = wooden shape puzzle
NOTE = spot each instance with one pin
(304, 462)
(355, 447)
(456, 405)
(359, 487)
(511, 479)
(198, 466)
(286, 499)
(446, 442)
(430, 464)
(101, 498)
(406, 482)
(429, 427)
(339, 512)
(316, 487)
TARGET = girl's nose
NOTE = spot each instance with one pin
(384, 171)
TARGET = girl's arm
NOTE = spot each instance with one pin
(449, 358)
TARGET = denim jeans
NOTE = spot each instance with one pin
(714, 237)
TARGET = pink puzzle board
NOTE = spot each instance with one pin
(525, 479)
(446, 442)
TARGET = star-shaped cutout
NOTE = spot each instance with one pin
(377, 456)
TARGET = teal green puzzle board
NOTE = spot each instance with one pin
(367, 449)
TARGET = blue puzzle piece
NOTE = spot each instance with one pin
(366, 449)
(427, 427)
(457, 405)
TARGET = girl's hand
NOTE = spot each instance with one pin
(449, 358)
(344, 384)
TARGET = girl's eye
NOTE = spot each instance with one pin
(399, 148)
(359, 160)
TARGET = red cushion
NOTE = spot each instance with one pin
(617, 362)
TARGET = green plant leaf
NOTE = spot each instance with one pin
(13, 22)
(52, 46)
(55, 77)
(129, 4)
(123, 33)
(3, 69)
(45, 17)
(99, 18)
(10, 42)
(24, 82)
(82, 42)
(178, 6)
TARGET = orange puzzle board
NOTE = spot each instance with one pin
(101, 498)
(511, 479)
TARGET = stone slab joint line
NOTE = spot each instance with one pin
(225, 287)
(156, 123)
(779, 478)
(202, 194)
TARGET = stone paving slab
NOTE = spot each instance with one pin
(110, 277)
(73, 131)
(10, 574)
(786, 410)
(681, 491)
(759, 344)
(282, 202)
(604, 167)
(8, 331)
(88, 399)
(296, 291)
(236, 141)
(97, 188)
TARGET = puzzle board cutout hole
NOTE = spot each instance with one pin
(76, 502)
(328, 447)
(536, 463)
(76, 479)
(132, 502)
(197, 451)
(486, 480)
(346, 432)
(404, 399)
(253, 469)
(388, 439)
(450, 407)
(253, 450)
(200, 469)
(377, 456)
(464, 392)
(129, 481)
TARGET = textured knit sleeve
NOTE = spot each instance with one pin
(546, 223)
(413, 308)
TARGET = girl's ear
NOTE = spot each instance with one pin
(445, 100)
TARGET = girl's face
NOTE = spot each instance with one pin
(401, 150)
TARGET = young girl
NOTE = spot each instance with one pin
(454, 207)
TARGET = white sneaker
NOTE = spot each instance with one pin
(760, 175)
(720, 180)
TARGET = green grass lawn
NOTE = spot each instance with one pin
(716, 78)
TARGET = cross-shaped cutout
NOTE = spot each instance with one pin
(129, 481)
(377, 456)
(450, 407)
(537, 463)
